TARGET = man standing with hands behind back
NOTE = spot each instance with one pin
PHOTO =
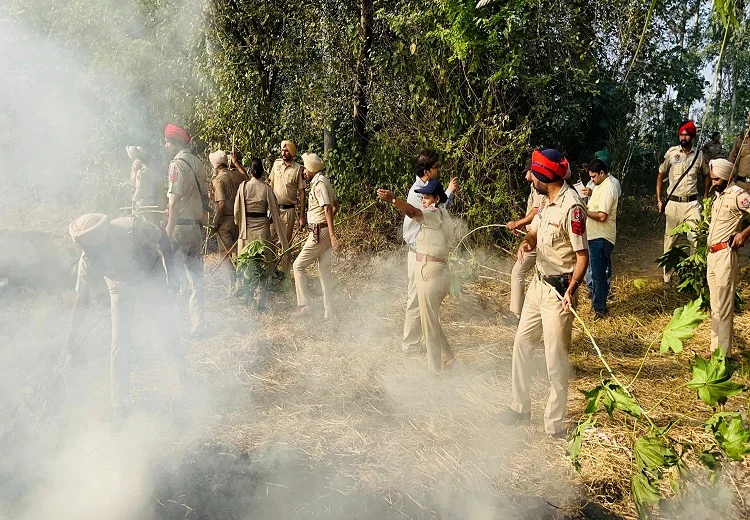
(288, 182)
(683, 203)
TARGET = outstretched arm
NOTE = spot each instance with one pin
(401, 205)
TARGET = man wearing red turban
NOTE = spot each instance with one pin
(187, 179)
(558, 233)
(683, 199)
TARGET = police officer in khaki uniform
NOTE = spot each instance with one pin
(683, 203)
(288, 182)
(225, 185)
(558, 232)
(522, 268)
(740, 156)
(133, 257)
(254, 204)
(149, 195)
(713, 149)
(432, 275)
(185, 214)
(729, 205)
(322, 207)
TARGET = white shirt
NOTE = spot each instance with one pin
(603, 199)
(411, 226)
(591, 185)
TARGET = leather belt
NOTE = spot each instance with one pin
(320, 225)
(718, 247)
(187, 222)
(746, 180)
(287, 206)
(428, 258)
(255, 214)
(559, 282)
(689, 198)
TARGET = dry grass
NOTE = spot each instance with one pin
(341, 395)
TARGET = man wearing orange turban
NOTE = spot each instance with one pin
(187, 189)
(683, 194)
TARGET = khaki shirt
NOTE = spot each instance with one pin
(740, 155)
(185, 173)
(257, 195)
(726, 213)
(712, 150)
(132, 254)
(533, 202)
(287, 181)
(675, 163)
(435, 232)
(225, 185)
(149, 187)
(321, 194)
(560, 228)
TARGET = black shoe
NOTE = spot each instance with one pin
(511, 417)
(511, 320)
(601, 315)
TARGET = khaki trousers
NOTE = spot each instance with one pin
(676, 213)
(432, 281)
(288, 221)
(412, 321)
(722, 276)
(227, 234)
(542, 314)
(187, 243)
(323, 253)
(159, 311)
(518, 281)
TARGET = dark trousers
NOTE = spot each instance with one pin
(600, 260)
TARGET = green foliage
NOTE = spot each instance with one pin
(613, 397)
(644, 494)
(731, 436)
(682, 326)
(253, 265)
(712, 379)
(576, 440)
(652, 453)
(656, 456)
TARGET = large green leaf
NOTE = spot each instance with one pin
(682, 326)
(712, 379)
(576, 439)
(652, 453)
(731, 436)
(613, 397)
(644, 494)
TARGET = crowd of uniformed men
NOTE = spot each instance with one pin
(568, 236)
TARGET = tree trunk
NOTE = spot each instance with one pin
(363, 72)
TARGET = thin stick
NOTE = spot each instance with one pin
(224, 257)
(593, 342)
(477, 229)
